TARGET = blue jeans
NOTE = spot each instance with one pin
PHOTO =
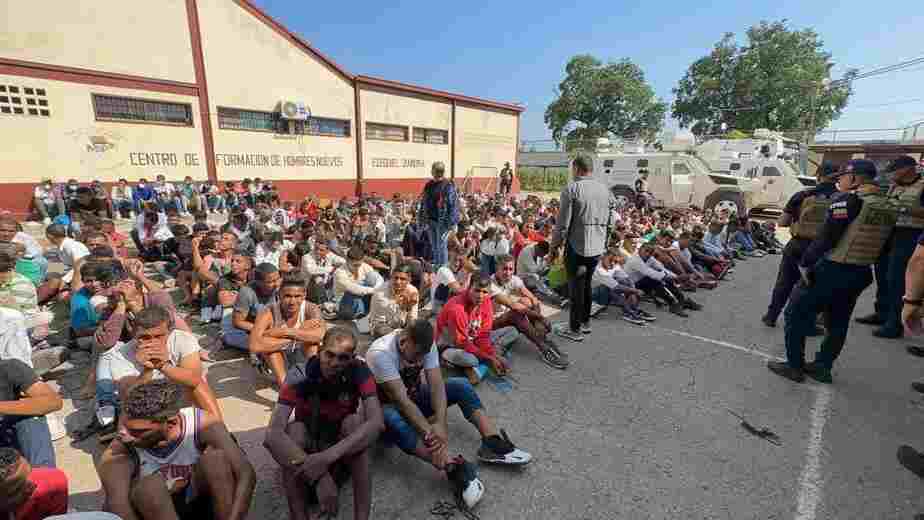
(487, 263)
(353, 306)
(31, 436)
(458, 391)
(123, 206)
(438, 235)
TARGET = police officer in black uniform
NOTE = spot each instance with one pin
(907, 190)
(836, 269)
(804, 215)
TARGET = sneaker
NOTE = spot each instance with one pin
(329, 311)
(565, 331)
(564, 303)
(634, 319)
(917, 387)
(766, 320)
(692, 305)
(464, 478)
(645, 315)
(558, 352)
(497, 449)
(596, 309)
(678, 310)
(784, 370)
(106, 415)
(912, 460)
(585, 328)
(552, 358)
(818, 373)
(915, 350)
(46, 221)
(870, 319)
(883, 332)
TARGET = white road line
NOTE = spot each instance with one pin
(810, 481)
(720, 343)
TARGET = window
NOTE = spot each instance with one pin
(431, 136)
(641, 163)
(734, 166)
(113, 108)
(608, 163)
(680, 169)
(15, 100)
(253, 120)
(323, 126)
(771, 171)
(386, 132)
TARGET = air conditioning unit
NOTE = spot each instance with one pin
(294, 110)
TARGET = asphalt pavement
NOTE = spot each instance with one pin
(643, 425)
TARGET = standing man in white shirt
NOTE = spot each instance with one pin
(583, 224)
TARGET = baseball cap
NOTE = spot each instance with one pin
(827, 169)
(902, 161)
(859, 167)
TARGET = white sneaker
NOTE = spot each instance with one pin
(46, 221)
(105, 415)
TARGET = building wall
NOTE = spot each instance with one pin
(485, 140)
(70, 143)
(149, 39)
(249, 65)
(403, 160)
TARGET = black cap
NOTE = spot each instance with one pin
(827, 169)
(859, 167)
(200, 227)
(903, 161)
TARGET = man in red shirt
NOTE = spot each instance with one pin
(463, 329)
(32, 494)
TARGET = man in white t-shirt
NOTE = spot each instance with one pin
(451, 279)
(516, 306)
(68, 251)
(406, 367)
(46, 201)
(532, 268)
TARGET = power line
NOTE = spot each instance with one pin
(879, 71)
(889, 103)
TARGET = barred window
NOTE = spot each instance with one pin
(386, 132)
(254, 120)
(114, 108)
(22, 101)
(323, 126)
(431, 136)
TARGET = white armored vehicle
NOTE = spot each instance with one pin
(745, 176)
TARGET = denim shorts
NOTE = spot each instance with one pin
(401, 433)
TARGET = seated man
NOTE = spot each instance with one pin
(30, 258)
(89, 301)
(650, 276)
(273, 249)
(319, 266)
(287, 332)
(515, 306)
(18, 293)
(329, 439)
(68, 251)
(251, 299)
(47, 201)
(394, 304)
(415, 411)
(27, 492)
(464, 331)
(612, 286)
(354, 284)
(451, 279)
(378, 256)
(221, 293)
(532, 268)
(150, 233)
(188, 465)
(24, 402)
(85, 206)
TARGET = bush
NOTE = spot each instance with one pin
(540, 178)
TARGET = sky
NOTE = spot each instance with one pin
(516, 51)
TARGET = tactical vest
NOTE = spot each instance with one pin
(908, 197)
(864, 238)
(812, 214)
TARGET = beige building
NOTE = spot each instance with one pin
(113, 89)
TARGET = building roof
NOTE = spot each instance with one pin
(310, 49)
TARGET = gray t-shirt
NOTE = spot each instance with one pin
(250, 302)
(122, 361)
(385, 361)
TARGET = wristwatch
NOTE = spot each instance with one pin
(917, 302)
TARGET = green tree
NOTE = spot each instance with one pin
(599, 100)
(778, 80)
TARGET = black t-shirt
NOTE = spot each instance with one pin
(15, 378)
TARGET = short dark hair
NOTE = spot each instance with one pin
(263, 270)
(481, 280)
(583, 164)
(56, 230)
(405, 267)
(338, 334)
(355, 253)
(503, 259)
(151, 317)
(293, 280)
(438, 170)
(421, 333)
(153, 400)
(9, 458)
(543, 247)
(7, 262)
